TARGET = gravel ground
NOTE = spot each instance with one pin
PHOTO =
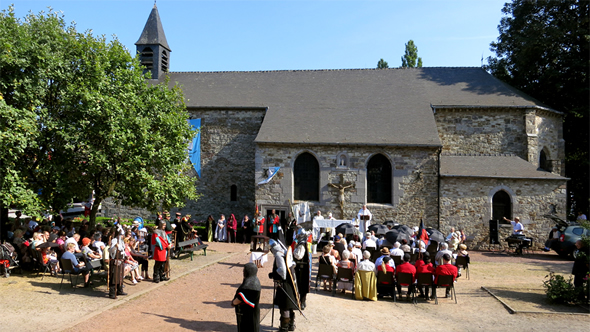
(198, 298)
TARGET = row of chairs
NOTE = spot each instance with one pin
(326, 272)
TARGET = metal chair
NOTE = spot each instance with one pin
(463, 261)
(386, 281)
(407, 280)
(41, 267)
(447, 281)
(68, 267)
(426, 279)
(343, 274)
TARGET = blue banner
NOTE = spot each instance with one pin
(194, 151)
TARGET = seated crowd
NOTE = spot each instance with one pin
(411, 256)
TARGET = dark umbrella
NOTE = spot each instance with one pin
(435, 235)
(48, 245)
(395, 235)
(390, 223)
(379, 229)
(345, 228)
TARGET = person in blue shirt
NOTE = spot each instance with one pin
(78, 266)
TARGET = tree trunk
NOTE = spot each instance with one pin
(4, 224)
(93, 212)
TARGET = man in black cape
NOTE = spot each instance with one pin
(246, 300)
(302, 260)
(286, 287)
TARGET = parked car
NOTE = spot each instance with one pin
(570, 233)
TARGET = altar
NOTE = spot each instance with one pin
(327, 223)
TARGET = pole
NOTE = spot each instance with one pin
(274, 291)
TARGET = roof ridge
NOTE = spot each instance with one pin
(315, 70)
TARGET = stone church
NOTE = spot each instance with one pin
(454, 147)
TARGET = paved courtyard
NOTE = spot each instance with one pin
(198, 299)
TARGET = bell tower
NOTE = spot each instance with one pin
(152, 47)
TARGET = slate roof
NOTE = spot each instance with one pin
(153, 32)
(510, 167)
(356, 106)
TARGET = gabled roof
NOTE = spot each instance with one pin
(358, 106)
(499, 166)
(153, 32)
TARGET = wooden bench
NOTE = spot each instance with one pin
(197, 244)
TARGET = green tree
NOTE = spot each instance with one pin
(410, 58)
(543, 50)
(100, 125)
(382, 64)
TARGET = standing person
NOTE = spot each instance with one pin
(285, 294)
(177, 220)
(302, 260)
(232, 228)
(168, 229)
(363, 214)
(184, 232)
(210, 225)
(260, 224)
(246, 300)
(273, 222)
(246, 229)
(291, 229)
(220, 232)
(580, 269)
(161, 242)
(116, 258)
(450, 236)
(581, 216)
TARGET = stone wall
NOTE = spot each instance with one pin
(549, 136)
(466, 203)
(414, 180)
(486, 131)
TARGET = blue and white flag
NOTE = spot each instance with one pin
(271, 172)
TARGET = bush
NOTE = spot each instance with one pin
(559, 290)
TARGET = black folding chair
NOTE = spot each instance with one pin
(397, 260)
(68, 267)
(325, 272)
(344, 274)
(407, 280)
(386, 281)
(426, 279)
(39, 265)
(447, 281)
(463, 261)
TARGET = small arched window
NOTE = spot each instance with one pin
(379, 180)
(544, 163)
(233, 193)
(501, 206)
(306, 177)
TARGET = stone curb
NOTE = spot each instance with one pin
(126, 299)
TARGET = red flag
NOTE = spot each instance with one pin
(422, 233)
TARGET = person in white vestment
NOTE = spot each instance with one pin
(364, 224)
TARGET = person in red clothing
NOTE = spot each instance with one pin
(424, 266)
(446, 269)
(161, 242)
(384, 289)
(406, 267)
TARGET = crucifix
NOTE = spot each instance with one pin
(342, 186)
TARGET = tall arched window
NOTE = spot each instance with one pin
(233, 195)
(501, 206)
(306, 176)
(147, 58)
(544, 164)
(379, 180)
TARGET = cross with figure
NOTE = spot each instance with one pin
(342, 186)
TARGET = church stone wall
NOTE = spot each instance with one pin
(482, 131)
(414, 180)
(466, 204)
(549, 133)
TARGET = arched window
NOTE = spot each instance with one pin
(544, 164)
(147, 57)
(233, 193)
(501, 206)
(379, 180)
(306, 176)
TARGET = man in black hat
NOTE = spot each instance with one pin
(286, 296)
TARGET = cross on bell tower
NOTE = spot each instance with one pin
(152, 47)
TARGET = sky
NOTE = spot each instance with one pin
(248, 35)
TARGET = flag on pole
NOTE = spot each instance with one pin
(271, 173)
(422, 233)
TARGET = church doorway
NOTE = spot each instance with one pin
(501, 206)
